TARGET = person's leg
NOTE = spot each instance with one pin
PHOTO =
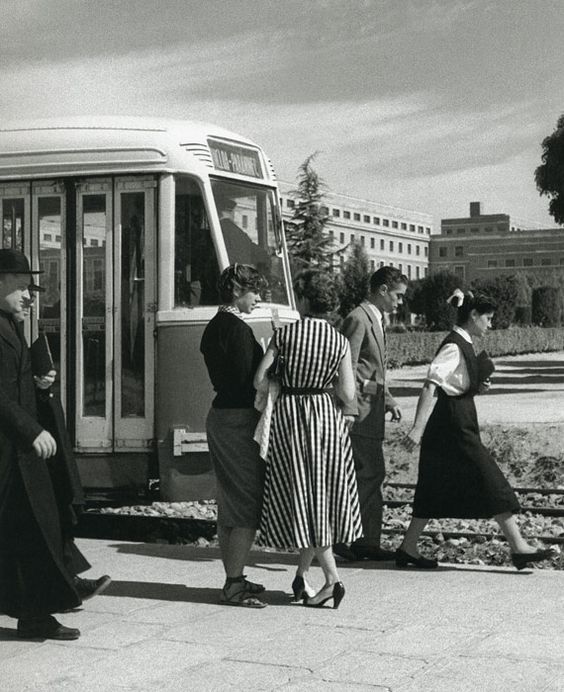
(235, 545)
(508, 524)
(414, 530)
(370, 472)
(326, 559)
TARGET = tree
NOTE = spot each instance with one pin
(439, 314)
(309, 243)
(354, 279)
(547, 306)
(549, 176)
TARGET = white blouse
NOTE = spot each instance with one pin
(448, 369)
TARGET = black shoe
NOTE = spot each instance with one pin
(346, 552)
(404, 559)
(337, 595)
(298, 587)
(370, 552)
(45, 628)
(88, 588)
(521, 560)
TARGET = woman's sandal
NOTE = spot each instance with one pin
(252, 587)
(240, 595)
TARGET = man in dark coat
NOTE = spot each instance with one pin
(62, 465)
(34, 582)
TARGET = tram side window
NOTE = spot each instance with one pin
(196, 269)
(12, 223)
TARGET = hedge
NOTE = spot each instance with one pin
(413, 348)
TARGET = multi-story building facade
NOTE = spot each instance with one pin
(389, 235)
(489, 245)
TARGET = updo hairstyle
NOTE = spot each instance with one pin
(320, 289)
(241, 276)
(480, 302)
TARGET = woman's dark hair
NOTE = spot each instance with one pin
(475, 301)
(320, 288)
(241, 276)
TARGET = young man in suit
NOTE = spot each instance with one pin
(34, 582)
(364, 328)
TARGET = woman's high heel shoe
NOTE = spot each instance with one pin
(337, 595)
(298, 587)
(404, 559)
(521, 560)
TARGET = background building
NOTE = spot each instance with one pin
(486, 245)
(389, 235)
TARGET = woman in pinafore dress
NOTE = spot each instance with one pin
(457, 476)
(310, 498)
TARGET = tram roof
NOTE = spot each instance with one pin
(105, 144)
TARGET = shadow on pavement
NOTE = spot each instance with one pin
(9, 635)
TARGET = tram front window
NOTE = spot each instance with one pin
(252, 233)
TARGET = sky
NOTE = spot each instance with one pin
(420, 104)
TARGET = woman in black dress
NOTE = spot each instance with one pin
(232, 355)
(457, 476)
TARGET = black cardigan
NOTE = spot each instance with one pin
(232, 356)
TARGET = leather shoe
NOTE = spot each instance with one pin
(45, 628)
(404, 559)
(372, 552)
(344, 551)
(88, 588)
(521, 560)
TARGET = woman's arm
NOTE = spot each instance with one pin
(422, 413)
(345, 385)
(260, 381)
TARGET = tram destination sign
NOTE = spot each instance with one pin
(235, 158)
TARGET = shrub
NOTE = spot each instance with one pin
(546, 306)
(505, 291)
(436, 289)
(523, 315)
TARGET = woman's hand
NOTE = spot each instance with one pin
(411, 440)
(484, 386)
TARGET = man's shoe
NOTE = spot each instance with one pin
(88, 588)
(370, 552)
(45, 628)
(346, 552)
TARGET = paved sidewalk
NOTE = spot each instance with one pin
(159, 627)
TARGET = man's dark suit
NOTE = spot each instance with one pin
(368, 352)
(33, 579)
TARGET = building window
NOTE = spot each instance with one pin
(372, 265)
(391, 245)
(356, 217)
(336, 213)
(47, 237)
(492, 264)
(420, 229)
(342, 238)
(403, 226)
(487, 229)
(381, 263)
(362, 240)
(376, 220)
(418, 251)
(352, 237)
(509, 262)
(385, 222)
(458, 251)
(342, 260)
(562, 260)
(394, 224)
(245, 221)
(411, 227)
(409, 271)
(400, 267)
(346, 215)
(400, 247)
(527, 261)
(501, 228)
(428, 230)
(381, 244)
(546, 261)
(460, 231)
(366, 219)
(448, 231)
(459, 271)
(426, 251)
(372, 243)
(324, 211)
(442, 251)
(409, 248)
(417, 274)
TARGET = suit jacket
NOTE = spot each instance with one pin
(18, 430)
(362, 329)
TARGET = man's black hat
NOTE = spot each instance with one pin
(15, 262)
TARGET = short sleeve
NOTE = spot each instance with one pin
(448, 371)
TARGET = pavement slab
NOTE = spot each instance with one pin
(159, 626)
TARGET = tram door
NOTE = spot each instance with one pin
(99, 305)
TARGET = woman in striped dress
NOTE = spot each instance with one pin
(310, 499)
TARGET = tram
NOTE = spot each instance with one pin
(132, 220)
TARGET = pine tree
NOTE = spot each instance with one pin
(309, 243)
(354, 279)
